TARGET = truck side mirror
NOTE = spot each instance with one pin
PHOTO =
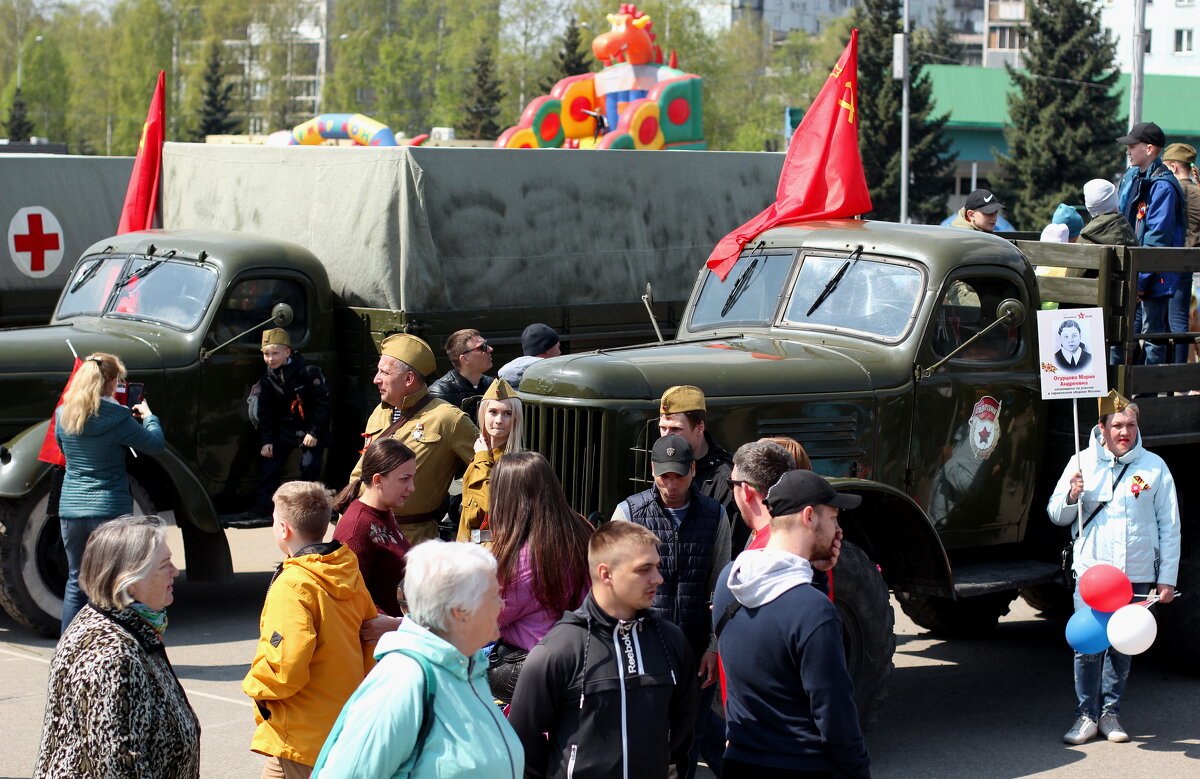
(282, 314)
(1011, 312)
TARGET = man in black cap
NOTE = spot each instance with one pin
(538, 342)
(790, 700)
(980, 212)
(695, 545)
(1152, 201)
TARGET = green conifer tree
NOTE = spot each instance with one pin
(931, 163)
(936, 43)
(217, 99)
(483, 98)
(1063, 114)
(570, 59)
(18, 126)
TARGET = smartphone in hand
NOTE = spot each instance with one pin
(134, 393)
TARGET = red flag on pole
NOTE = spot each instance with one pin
(822, 175)
(141, 197)
(50, 453)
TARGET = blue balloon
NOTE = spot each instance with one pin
(1087, 631)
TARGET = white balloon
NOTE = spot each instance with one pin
(1132, 629)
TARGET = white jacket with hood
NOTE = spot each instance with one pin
(1137, 530)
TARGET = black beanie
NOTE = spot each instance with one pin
(538, 338)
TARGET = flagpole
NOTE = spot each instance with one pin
(904, 140)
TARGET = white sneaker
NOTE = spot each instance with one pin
(1111, 729)
(1083, 731)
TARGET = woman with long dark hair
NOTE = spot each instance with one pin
(370, 529)
(540, 545)
(94, 431)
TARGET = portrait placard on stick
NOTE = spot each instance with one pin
(1072, 354)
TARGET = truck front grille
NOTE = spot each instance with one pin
(574, 440)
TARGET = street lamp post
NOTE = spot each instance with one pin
(21, 53)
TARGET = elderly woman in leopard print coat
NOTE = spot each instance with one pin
(114, 707)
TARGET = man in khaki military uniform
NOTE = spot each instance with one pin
(439, 434)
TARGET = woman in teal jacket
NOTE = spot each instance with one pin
(425, 710)
(94, 431)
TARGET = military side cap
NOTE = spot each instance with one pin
(1113, 403)
(276, 336)
(411, 350)
(681, 398)
(1180, 152)
(499, 390)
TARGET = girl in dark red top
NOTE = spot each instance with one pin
(369, 527)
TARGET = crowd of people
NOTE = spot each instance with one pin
(534, 644)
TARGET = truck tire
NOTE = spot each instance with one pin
(33, 564)
(1053, 601)
(868, 629)
(961, 618)
(1178, 639)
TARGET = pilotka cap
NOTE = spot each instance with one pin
(797, 490)
(499, 390)
(276, 336)
(1113, 403)
(412, 350)
(681, 398)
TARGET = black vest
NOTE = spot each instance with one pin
(687, 561)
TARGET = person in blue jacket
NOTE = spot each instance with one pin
(1153, 203)
(425, 710)
(94, 431)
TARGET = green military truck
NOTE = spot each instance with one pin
(904, 359)
(416, 240)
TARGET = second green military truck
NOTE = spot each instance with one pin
(905, 360)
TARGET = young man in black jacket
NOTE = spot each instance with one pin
(609, 692)
(790, 699)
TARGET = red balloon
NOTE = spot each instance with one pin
(1105, 588)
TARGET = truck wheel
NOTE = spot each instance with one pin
(33, 564)
(960, 618)
(1053, 601)
(868, 629)
(1178, 639)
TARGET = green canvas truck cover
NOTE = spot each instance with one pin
(447, 229)
(52, 207)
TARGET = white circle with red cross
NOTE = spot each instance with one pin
(35, 241)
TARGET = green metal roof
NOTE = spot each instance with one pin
(975, 98)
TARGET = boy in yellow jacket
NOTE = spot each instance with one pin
(310, 657)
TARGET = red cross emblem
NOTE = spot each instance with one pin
(35, 241)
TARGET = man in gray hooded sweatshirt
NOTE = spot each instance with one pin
(773, 625)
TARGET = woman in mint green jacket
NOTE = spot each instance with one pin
(425, 710)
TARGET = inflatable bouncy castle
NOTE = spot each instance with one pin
(634, 102)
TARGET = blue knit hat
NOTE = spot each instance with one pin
(1069, 216)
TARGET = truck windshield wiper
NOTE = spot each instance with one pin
(833, 283)
(141, 272)
(739, 287)
(87, 276)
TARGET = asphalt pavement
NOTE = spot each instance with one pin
(992, 707)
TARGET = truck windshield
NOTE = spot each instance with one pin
(872, 297)
(748, 295)
(176, 293)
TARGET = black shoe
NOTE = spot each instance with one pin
(248, 520)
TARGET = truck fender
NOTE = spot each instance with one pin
(897, 534)
(207, 551)
(20, 469)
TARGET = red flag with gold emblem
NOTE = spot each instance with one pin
(822, 175)
(141, 198)
(50, 453)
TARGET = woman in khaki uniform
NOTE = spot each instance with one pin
(500, 423)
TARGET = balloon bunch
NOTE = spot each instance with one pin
(1110, 620)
